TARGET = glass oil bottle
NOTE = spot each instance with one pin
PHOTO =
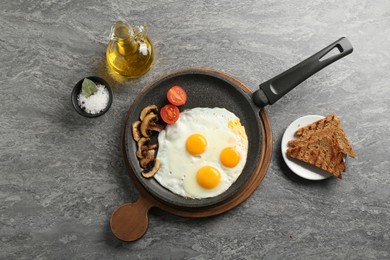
(129, 52)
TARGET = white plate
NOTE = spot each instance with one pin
(300, 168)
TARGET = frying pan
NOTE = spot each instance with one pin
(209, 88)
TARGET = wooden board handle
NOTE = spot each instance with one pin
(130, 221)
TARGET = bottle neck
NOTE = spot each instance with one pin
(124, 40)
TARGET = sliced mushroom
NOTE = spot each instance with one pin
(147, 157)
(149, 124)
(135, 130)
(144, 145)
(147, 110)
(142, 141)
(151, 169)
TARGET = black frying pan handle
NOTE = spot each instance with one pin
(275, 88)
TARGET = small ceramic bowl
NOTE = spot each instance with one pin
(77, 89)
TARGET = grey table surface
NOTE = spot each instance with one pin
(62, 175)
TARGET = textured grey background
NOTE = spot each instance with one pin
(62, 175)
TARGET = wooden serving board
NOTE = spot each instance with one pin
(129, 221)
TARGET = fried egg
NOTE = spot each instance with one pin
(202, 154)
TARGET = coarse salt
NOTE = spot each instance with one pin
(96, 102)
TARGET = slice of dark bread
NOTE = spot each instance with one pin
(330, 120)
(331, 127)
(321, 152)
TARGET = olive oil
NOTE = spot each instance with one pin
(129, 52)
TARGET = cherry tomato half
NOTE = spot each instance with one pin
(169, 113)
(177, 96)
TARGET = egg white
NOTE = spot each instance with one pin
(178, 168)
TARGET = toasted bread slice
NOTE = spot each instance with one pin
(321, 152)
(331, 127)
(330, 120)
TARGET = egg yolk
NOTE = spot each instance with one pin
(208, 177)
(196, 144)
(230, 157)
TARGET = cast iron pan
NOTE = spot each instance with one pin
(208, 88)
